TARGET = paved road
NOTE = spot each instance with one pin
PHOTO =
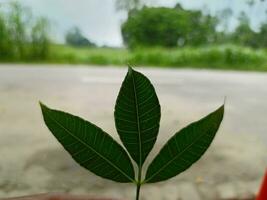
(30, 158)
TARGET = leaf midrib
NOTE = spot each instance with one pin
(175, 157)
(138, 121)
(86, 145)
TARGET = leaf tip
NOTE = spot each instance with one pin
(221, 110)
(130, 69)
(223, 105)
(43, 106)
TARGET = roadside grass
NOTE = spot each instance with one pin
(210, 57)
(85, 55)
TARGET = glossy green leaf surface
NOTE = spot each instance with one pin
(184, 148)
(89, 146)
(137, 115)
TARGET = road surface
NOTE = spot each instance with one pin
(32, 161)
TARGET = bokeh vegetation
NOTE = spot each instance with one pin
(22, 37)
(178, 27)
(168, 27)
(212, 57)
(74, 37)
(153, 36)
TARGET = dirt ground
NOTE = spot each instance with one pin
(32, 161)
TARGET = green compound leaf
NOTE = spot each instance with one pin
(137, 115)
(89, 146)
(184, 148)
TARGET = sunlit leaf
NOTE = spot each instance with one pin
(89, 146)
(184, 148)
(137, 115)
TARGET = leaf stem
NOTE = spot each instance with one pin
(138, 190)
(138, 186)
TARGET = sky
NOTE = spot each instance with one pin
(100, 22)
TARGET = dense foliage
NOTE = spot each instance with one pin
(21, 37)
(178, 27)
(168, 27)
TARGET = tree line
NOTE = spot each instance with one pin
(178, 27)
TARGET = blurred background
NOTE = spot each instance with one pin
(73, 55)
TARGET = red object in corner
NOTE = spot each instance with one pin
(263, 191)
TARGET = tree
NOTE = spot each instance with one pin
(39, 39)
(201, 29)
(224, 17)
(261, 36)
(243, 34)
(75, 37)
(168, 27)
(5, 42)
(18, 21)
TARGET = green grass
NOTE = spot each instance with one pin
(98, 56)
(212, 57)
